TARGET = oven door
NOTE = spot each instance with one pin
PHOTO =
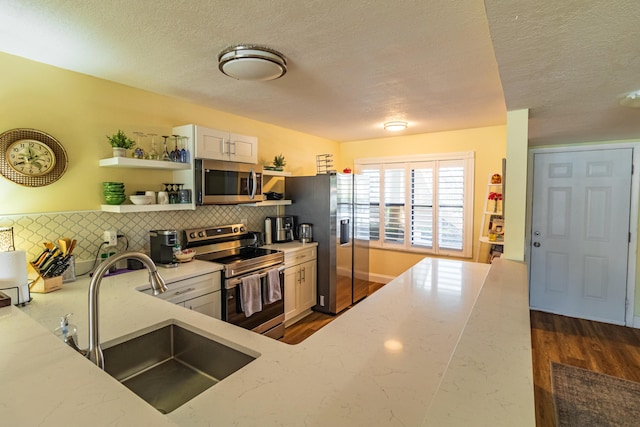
(220, 182)
(271, 316)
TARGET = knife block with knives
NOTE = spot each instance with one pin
(45, 271)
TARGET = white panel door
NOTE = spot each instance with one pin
(580, 233)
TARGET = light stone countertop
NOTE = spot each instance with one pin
(432, 347)
(290, 246)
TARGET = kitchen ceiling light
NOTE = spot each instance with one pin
(395, 126)
(252, 62)
(631, 99)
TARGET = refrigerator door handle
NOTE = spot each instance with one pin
(344, 231)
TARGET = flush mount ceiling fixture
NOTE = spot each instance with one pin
(631, 99)
(395, 126)
(252, 62)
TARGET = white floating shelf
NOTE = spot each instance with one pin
(270, 203)
(275, 173)
(129, 162)
(485, 239)
(147, 208)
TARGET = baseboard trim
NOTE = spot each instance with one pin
(371, 277)
(380, 278)
(636, 322)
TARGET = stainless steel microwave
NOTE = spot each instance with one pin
(227, 183)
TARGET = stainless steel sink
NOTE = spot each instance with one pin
(171, 365)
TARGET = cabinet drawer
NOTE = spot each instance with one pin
(182, 290)
(301, 255)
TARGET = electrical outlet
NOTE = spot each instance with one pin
(110, 237)
(322, 300)
(243, 221)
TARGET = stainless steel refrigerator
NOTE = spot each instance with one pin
(337, 206)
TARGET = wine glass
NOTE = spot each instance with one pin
(165, 154)
(153, 153)
(175, 154)
(138, 153)
(184, 153)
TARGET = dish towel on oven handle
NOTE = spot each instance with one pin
(250, 295)
(273, 286)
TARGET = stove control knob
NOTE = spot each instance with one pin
(235, 229)
(242, 229)
(201, 234)
(192, 235)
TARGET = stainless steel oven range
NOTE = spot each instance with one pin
(238, 250)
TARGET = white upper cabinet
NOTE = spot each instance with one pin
(220, 145)
(243, 148)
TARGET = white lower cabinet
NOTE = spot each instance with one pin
(198, 293)
(207, 304)
(299, 284)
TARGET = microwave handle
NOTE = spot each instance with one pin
(253, 179)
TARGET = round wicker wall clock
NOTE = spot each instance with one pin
(31, 158)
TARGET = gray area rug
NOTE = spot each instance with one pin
(586, 398)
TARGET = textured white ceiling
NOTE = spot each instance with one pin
(356, 64)
(568, 62)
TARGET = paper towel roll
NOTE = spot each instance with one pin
(267, 231)
(13, 274)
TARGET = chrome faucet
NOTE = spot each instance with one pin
(94, 352)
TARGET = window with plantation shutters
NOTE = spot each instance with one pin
(422, 203)
(373, 176)
(394, 204)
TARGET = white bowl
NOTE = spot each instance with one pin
(140, 199)
(185, 255)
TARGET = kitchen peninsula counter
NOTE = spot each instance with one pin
(445, 343)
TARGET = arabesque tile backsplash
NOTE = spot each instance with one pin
(30, 231)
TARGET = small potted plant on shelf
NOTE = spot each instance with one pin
(279, 163)
(120, 143)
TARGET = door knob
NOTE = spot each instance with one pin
(536, 244)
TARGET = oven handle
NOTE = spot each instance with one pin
(232, 283)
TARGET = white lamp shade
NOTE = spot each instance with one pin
(395, 126)
(252, 63)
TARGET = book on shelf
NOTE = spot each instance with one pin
(496, 224)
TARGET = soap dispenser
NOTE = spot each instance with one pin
(66, 329)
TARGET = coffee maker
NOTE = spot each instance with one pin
(281, 228)
(163, 243)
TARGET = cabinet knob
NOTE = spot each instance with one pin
(536, 244)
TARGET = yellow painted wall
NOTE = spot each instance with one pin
(516, 198)
(489, 145)
(79, 110)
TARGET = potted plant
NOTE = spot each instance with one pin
(120, 143)
(279, 163)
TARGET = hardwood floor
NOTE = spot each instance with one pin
(306, 327)
(600, 347)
